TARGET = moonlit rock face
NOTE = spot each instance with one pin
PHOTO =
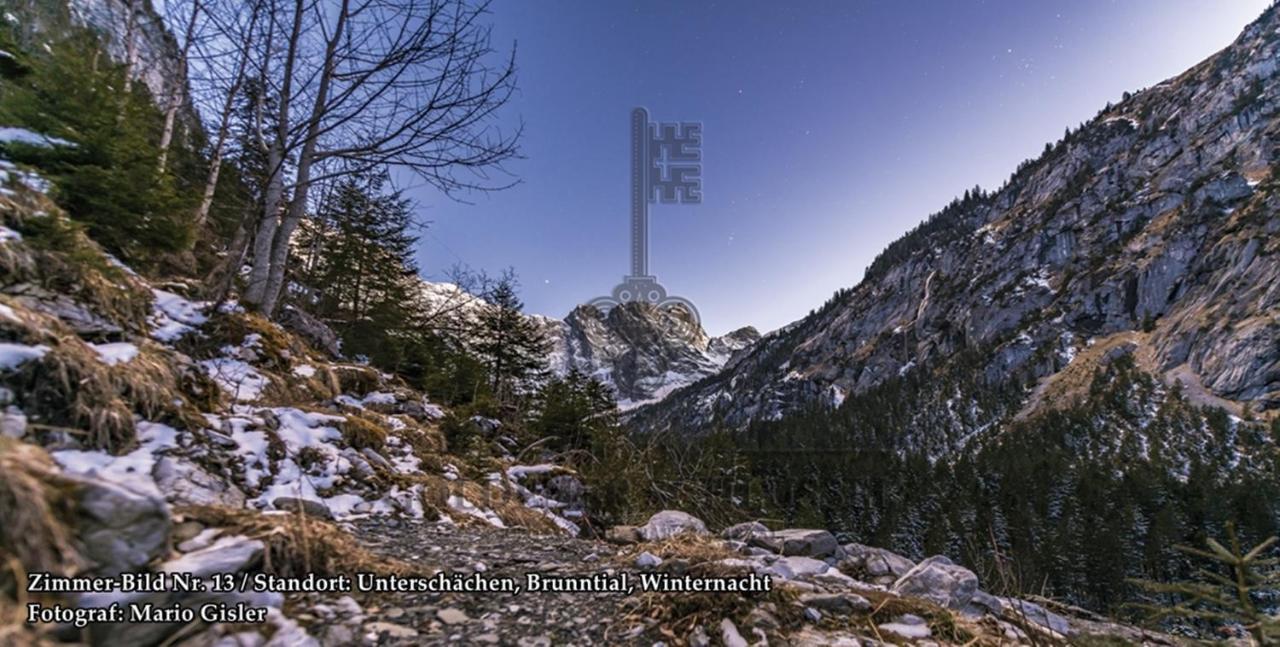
(643, 352)
(1146, 228)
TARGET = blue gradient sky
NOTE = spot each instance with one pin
(830, 128)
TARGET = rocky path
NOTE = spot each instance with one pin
(835, 610)
(543, 618)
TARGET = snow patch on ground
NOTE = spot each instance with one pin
(132, 470)
(175, 316)
(14, 355)
(28, 179)
(14, 135)
(376, 397)
(116, 352)
(236, 377)
(543, 504)
(468, 508)
(518, 472)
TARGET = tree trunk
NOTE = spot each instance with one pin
(218, 283)
(224, 123)
(210, 183)
(264, 238)
(176, 97)
(302, 184)
(130, 45)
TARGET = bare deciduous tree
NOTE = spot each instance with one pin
(401, 83)
(177, 93)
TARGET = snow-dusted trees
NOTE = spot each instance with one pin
(363, 84)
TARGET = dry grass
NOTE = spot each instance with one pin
(504, 503)
(426, 442)
(436, 491)
(58, 256)
(676, 615)
(354, 378)
(360, 432)
(14, 631)
(275, 349)
(694, 549)
(70, 390)
(296, 544)
(34, 513)
(944, 624)
(1071, 384)
(274, 353)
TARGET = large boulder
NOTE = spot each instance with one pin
(186, 483)
(121, 529)
(315, 332)
(875, 565)
(745, 531)
(670, 523)
(790, 568)
(226, 555)
(229, 555)
(842, 603)
(1023, 610)
(799, 541)
(940, 581)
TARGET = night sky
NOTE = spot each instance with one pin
(830, 128)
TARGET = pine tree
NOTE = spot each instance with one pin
(512, 345)
(359, 267)
(1233, 598)
(572, 410)
(108, 178)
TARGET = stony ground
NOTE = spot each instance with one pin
(474, 618)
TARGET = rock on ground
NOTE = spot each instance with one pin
(305, 506)
(669, 523)
(940, 581)
(121, 529)
(799, 541)
(745, 531)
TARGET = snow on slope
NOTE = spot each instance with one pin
(643, 352)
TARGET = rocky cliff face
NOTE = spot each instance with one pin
(158, 61)
(157, 54)
(1149, 232)
(643, 352)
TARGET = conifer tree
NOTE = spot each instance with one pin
(108, 176)
(511, 344)
(573, 410)
(359, 266)
(1233, 598)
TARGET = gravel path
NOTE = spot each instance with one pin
(527, 618)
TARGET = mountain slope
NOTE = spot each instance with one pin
(641, 351)
(1148, 232)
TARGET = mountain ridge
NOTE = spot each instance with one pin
(1111, 230)
(639, 350)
